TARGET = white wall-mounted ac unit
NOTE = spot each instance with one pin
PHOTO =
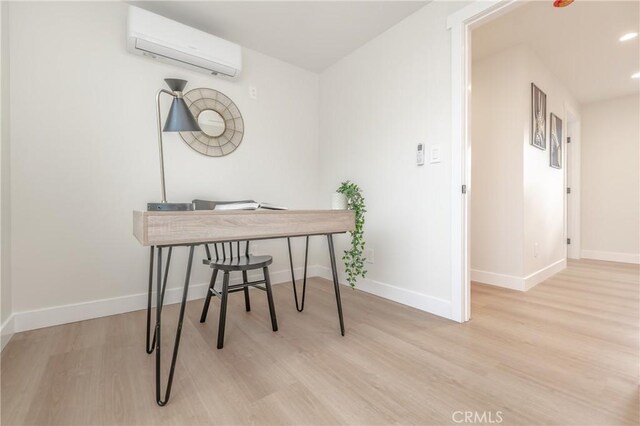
(169, 41)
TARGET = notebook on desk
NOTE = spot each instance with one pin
(234, 205)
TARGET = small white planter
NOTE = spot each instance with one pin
(338, 201)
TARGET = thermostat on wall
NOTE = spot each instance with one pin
(420, 154)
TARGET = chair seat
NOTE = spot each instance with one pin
(242, 263)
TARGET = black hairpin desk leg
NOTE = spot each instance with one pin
(336, 285)
(158, 331)
(151, 344)
(299, 305)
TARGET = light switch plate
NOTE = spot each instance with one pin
(434, 154)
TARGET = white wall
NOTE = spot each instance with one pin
(517, 207)
(84, 155)
(610, 180)
(498, 113)
(544, 186)
(377, 104)
(5, 180)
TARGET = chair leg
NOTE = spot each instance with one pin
(272, 309)
(247, 302)
(223, 309)
(207, 300)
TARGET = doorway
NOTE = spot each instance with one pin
(537, 255)
(461, 24)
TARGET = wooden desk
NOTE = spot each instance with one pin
(171, 229)
(208, 226)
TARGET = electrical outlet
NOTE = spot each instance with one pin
(535, 249)
(253, 92)
(369, 255)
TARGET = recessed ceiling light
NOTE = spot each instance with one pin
(636, 75)
(628, 36)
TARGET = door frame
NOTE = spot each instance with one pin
(460, 25)
(572, 179)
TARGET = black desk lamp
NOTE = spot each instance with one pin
(179, 119)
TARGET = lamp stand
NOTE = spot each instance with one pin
(164, 206)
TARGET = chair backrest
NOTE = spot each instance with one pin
(227, 250)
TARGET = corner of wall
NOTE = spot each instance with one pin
(6, 294)
(7, 329)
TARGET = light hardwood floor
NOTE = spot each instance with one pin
(566, 352)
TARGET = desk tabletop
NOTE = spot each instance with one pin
(201, 226)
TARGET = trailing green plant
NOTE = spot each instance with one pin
(354, 257)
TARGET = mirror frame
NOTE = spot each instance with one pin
(202, 99)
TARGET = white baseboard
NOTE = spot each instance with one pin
(545, 273)
(611, 256)
(7, 330)
(499, 280)
(40, 318)
(57, 315)
(518, 283)
(424, 302)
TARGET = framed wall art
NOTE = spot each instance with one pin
(555, 143)
(538, 118)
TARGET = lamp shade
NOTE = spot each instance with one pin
(176, 84)
(180, 118)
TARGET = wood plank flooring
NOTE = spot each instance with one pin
(564, 353)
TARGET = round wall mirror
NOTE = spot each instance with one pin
(211, 123)
(219, 119)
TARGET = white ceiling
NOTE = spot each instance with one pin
(309, 34)
(579, 44)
